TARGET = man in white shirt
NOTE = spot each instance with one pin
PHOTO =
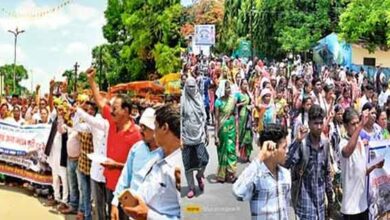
(140, 154)
(98, 126)
(382, 99)
(367, 97)
(353, 162)
(158, 197)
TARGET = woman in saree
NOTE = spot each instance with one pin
(266, 109)
(244, 133)
(225, 138)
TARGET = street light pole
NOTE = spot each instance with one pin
(15, 33)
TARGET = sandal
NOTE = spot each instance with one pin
(191, 193)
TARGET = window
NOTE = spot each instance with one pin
(368, 61)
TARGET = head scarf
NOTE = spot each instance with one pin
(264, 92)
(193, 114)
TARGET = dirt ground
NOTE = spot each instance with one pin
(17, 203)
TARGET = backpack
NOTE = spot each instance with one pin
(298, 171)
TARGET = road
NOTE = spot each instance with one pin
(217, 200)
(16, 203)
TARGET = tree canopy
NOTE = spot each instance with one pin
(21, 74)
(143, 38)
(367, 22)
(282, 26)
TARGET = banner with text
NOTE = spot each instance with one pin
(22, 152)
(204, 34)
(379, 180)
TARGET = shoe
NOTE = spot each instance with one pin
(200, 183)
(68, 211)
(191, 193)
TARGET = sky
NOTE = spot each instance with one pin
(53, 43)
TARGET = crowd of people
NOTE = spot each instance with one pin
(312, 124)
(140, 145)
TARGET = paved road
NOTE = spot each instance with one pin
(16, 204)
(217, 200)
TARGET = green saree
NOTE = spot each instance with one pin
(244, 130)
(227, 158)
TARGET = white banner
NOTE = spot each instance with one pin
(22, 152)
(204, 34)
(21, 140)
(379, 180)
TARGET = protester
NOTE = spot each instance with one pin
(194, 135)
(245, 105)
(98, 127)
(308, 155)
(140, 154)
(353, 166)
(225, 137)
(158, 196)
(122, 135)
(265, 182)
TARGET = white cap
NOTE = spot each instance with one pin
(148, 117)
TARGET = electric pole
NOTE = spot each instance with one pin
(76, 66)
(100, 67)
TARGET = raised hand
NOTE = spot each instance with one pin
(267, 150)
(302, 132)
(91, 72)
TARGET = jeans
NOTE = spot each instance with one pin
(85, 182)
(110, 196)
(99, 198)
(75, 198)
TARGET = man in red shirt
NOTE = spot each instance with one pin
(122, 134)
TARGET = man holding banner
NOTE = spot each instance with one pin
(354, 166)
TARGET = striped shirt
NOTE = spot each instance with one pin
(269, 196)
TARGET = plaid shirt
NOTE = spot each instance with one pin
(86, 146)
(269, 197)
(316, 180)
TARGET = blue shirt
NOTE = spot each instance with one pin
(130, 177)
(269, 196)
(158, 189)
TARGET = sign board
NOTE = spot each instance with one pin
(379, 180)
(204, 34)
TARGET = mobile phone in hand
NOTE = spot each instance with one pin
(127, 199)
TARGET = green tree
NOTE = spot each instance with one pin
(82, 82)
(367, 22)
(282, 26)
(143, 38)
(21, 74)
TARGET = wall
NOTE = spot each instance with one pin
(358, 53)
